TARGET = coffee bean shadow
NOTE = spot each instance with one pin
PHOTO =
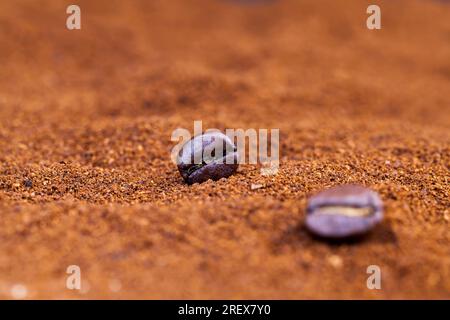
(382, 233)
(300, 235)
(293, 237)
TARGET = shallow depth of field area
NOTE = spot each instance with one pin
(86, 118)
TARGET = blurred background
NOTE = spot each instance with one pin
(86, 118)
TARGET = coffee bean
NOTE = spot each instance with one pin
(209, 156)
(28, 183)
(343, 211)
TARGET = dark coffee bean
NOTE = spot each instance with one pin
(28, 183)
(343, 211)
(208, 156)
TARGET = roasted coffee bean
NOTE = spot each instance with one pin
(343, 211)
(28, 183)
(208, 156)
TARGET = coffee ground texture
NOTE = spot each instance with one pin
(86, 118)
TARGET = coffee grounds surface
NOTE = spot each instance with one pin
(86, 118)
